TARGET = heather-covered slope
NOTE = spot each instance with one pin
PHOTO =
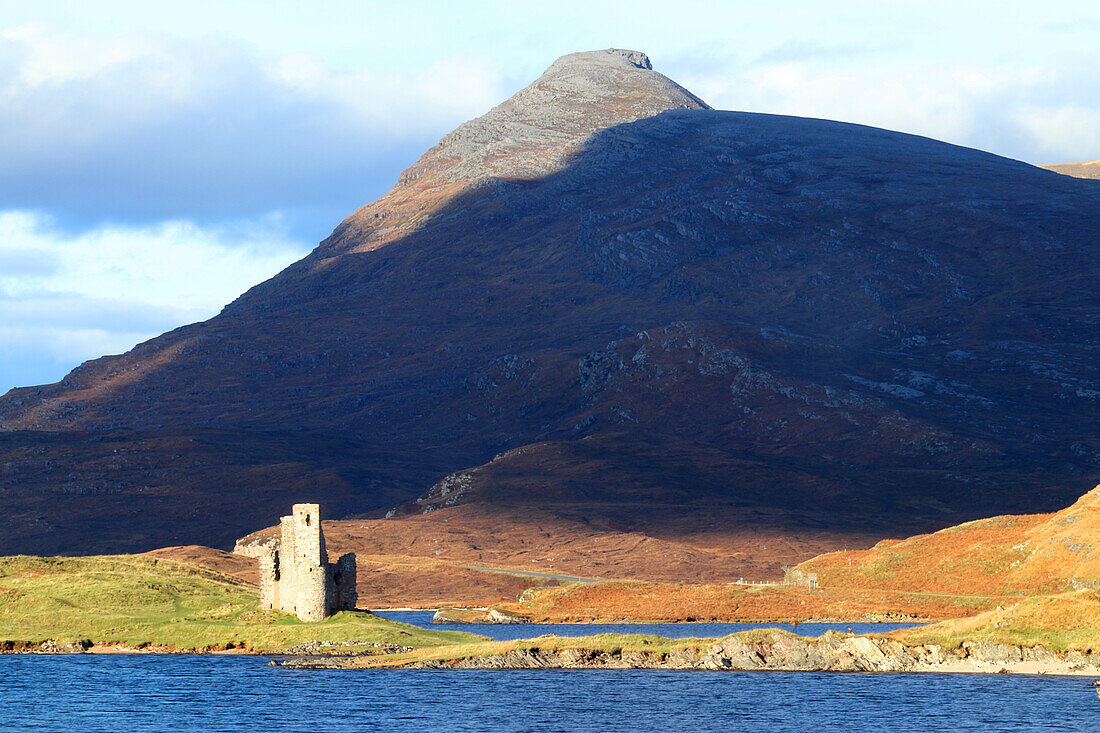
(1046, 566)
(120, 490)
(1007, 554)
(602, 253)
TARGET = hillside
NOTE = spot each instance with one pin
(710, 516)
(1063, 621)
(1025, 570)
(1085, 169)
(889, 327)
(1007, 554)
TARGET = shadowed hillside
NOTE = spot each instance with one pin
(906, 323)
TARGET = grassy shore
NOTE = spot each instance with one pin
(597, 644)
(143, 601)
(1067, 621)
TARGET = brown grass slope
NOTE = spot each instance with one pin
(1009, 554)
(1084, 169)
(385, 580)
(1042, 562)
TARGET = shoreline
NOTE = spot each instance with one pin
(780, 652)
(311, 649)
(775, 651)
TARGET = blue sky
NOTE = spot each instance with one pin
(158, 159)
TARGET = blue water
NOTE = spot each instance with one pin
(672, 631)
(142, 694)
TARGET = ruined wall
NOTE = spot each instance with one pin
(295, 575)
(343, 573)
(269, 578)
(287, 570)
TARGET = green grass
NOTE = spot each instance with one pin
(613, 644)
(136, 600)
(1058, 622)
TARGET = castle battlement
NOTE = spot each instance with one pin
(295, 574)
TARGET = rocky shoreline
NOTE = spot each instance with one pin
(778, 652)
(51, 646)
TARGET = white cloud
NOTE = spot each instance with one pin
(149, 127)
(1064, 132)
(144, 73)
(48, 352)
(1004, 109)
(109, 288)
(393, 103)
(48, 57)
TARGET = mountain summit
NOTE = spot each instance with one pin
(534, 132)
(605, 302)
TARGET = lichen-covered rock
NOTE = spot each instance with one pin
(496, 616)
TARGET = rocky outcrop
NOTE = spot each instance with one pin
(457, 616)
(784, 652)
(496, 616)
(477, 616)
(49, 646)
(343, 648)
(536, 131)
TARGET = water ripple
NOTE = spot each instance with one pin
(147, 693)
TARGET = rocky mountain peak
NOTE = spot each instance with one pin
(612, 57)
(535, 131)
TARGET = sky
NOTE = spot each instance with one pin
(158, 159)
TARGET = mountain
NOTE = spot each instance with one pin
(1085, 169)
(849, 329)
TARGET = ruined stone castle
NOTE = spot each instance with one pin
(295, 574)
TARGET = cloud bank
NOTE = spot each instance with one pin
(143, 128)
(146, 180)
(66, 298)
(1032, 113)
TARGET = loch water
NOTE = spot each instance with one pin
(507, 632)
(215, 694)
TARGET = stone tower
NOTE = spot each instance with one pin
(295, 574)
